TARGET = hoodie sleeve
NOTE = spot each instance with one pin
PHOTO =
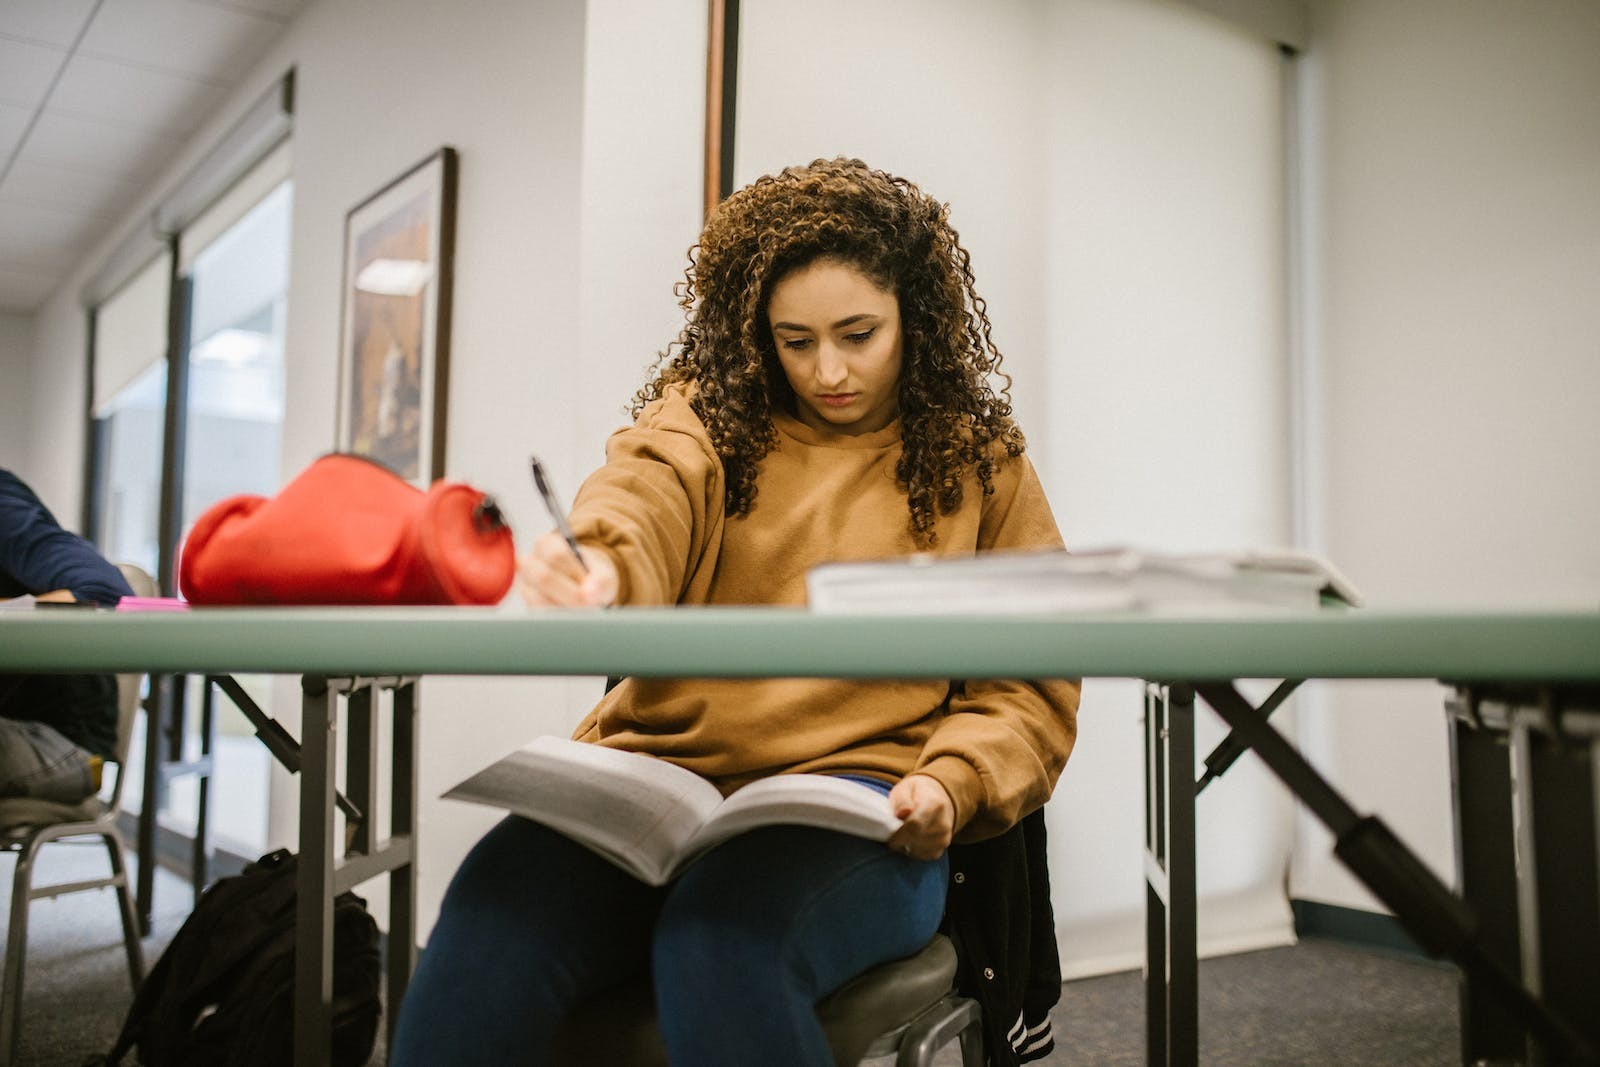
(37, 555)
(657, 505)
(1001, 745)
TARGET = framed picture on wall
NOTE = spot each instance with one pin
(394, 344)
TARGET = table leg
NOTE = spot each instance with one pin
(150, 800)
(1487, 873)
(313, 965)
(1438, 919)
(1171, 966)
(403, 880)
(1554, 798)
(200, 847)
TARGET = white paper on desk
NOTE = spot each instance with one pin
(1054, 581)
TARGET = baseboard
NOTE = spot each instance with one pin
(1353, 926)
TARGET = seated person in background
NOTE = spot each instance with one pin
(831, 396)
(55, 729)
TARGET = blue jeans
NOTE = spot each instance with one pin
(740, 947)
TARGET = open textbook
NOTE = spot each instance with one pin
(1056, 581)
(651, 817)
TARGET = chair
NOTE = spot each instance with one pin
(904, 1007)
(907, 1007)
(27, 824)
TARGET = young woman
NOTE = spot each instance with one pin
(831, 397)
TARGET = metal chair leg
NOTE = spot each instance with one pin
(16, 947)
(130, 917)
(934, 1028)
(972, 1043)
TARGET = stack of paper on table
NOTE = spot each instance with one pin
(1056, 581)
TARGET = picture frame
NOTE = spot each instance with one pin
(394, 336)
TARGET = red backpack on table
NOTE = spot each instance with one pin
(348, 530)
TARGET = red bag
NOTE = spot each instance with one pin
(348, 530)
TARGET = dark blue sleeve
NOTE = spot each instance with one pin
(37, 555)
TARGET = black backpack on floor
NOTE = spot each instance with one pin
(222, 994)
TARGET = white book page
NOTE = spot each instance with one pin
(1096, 580)
(635, 810)
(798, 800)
(1021, 582)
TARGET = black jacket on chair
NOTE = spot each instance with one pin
(998, 914)
(37, 556)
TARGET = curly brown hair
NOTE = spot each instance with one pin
(951, 416)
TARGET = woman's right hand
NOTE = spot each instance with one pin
(549, 576)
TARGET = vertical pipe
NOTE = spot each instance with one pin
(89, 516)
(175, 426)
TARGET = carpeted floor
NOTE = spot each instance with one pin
(1318, 1003)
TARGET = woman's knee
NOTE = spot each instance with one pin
(526, 881)
(799, 905)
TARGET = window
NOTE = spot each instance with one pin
(237, 287)
(232, 292)
(130, 404)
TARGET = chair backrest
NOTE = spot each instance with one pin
(129, 685)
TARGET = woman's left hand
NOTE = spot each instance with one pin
(929, 814)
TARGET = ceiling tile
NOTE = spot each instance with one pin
(23, 290)
(93, 144)
(163, 103)
(283, 10)
(26, 71)
(43, 237)
(13, 120)
(54, 22)
(182, 36)
(145, 75)
(91, 192)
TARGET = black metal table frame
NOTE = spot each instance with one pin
(1526, 802)
(323, 874)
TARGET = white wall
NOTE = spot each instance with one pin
(1456, 223)
(956, 109)
(643, 124)
(16, 393)
(55, 458)
(1115, 169)
(1168, 421)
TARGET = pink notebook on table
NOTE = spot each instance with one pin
(152, 603)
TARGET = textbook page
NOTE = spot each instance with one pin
(635, 810)
(651, 817)
(798, 800)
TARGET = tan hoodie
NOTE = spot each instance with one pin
(657, 507)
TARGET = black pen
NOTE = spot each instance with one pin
(551, 505)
